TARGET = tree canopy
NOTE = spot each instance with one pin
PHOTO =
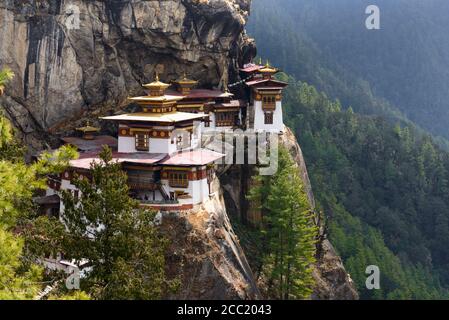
(288, 233)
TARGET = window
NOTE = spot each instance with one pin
(225, 119)
(142, 142)
(268, 117)
(179, 143)
(269, 102)
(207, 122)
(178, 180)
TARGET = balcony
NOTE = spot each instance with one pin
(136, 182)
(159, 202)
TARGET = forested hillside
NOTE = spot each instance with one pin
(384, 190)
(402, 68)
(380, 179)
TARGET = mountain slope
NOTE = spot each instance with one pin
(402, 68)
(383, 189)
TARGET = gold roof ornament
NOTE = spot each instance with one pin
(225, 85)
(268, 69)
(157, 88)
(88, 131)
(186, 81)
(185, 85)
(157, 101)
(88, 128)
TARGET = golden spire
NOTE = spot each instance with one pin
(268, 70)
(157, 88)
(88, 128)
(185, 85)
(88, 131)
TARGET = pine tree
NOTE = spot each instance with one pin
(290, 231)
(5, 75)
(19, 277)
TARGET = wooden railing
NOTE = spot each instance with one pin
(142, 183)
(159, 202)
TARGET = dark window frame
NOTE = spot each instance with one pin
(178, 179)
(142, 141)
(268, 118)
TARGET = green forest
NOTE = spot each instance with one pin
(369, 111)
(383, 189)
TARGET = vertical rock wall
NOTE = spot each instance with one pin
(78, 57)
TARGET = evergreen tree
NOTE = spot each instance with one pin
(20, 277)
(5, 75)
(290, 232)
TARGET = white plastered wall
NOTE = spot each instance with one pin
(259, 118)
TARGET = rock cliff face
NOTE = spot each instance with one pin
(78, 57)
(205, 254)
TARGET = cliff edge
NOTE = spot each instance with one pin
(205, 254)
(332, 280)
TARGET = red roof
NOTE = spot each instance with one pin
(201, 94)
(91, 145)
(185, 158)
(86, 159)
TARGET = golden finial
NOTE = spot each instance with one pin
(268, 64)
(157, 76)
(260, 61)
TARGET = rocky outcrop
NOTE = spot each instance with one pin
(78, 57)
(205, 254)
(332, 280)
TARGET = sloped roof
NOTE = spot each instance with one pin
(198, 157)
(169, 117)
(86, 159)
(202, 94)
(91, 145)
